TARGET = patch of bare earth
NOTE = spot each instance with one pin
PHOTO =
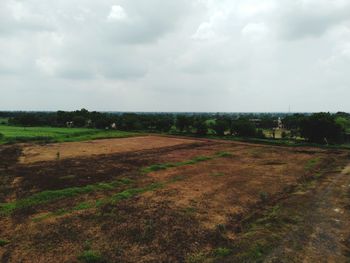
(48, 152)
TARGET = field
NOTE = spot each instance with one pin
(49, 134)
(173, 199)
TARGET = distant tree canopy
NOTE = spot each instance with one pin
(183, 123)
(244, 128)
(221, 125)
(317, 128)
(200, 126)
(321, 128)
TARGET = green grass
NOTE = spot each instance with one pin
(54, 195)
(198, 159)
(126, 194)
(14, 134)
(135, 191)
(91, 256)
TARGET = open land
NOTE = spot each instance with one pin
(173, 199)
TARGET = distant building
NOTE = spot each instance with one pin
(279, 123)
(69, 124)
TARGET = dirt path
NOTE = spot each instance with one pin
(324, 235)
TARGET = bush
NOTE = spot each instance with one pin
(2, 136)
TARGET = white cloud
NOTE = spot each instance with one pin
(46, 65)
(204, 32)
(255, 31)
(117, 13)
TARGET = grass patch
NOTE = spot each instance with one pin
(91, 256)
(135, 191)
(126, 194)
(54, 195)
(223, 154)
(13, 134)
(198, 159)
(4, 242)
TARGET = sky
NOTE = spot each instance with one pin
(183, 55)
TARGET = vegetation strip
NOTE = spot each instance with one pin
(126, 194)
(164, 166)
(54, 195)
(13, 134)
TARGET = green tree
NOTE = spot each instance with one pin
(322, 128)
(244, 128)
(201, 127)
(221, 125)
(79, 121)
(183, 122)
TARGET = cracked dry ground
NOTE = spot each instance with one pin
(207, 201)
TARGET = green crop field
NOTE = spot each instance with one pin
(11, 134)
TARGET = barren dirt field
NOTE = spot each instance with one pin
(167, 199)
(37, 153)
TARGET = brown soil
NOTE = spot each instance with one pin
(48, 152)
(185, 217)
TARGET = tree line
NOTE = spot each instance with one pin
(322, 128)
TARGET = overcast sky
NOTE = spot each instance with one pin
(175, 55)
